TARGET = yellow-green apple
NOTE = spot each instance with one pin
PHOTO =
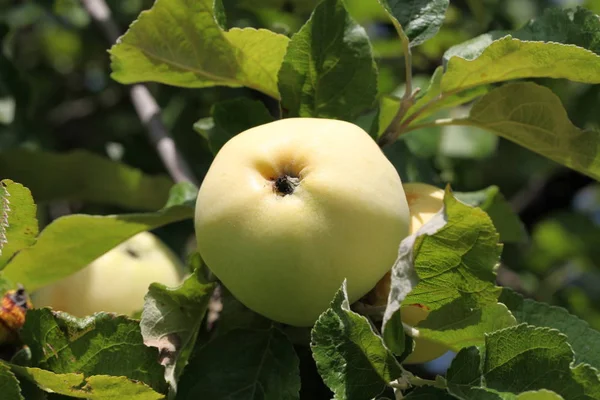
(115, 282)
(291, 208)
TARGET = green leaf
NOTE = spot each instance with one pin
(521, 359)
(9, 384)
(533, 117)
(455, 257)
(171, 321)
(18, 222)
(80, 175)
(243, 364)
(102, 344)
(71, 242)
(403, 279)
(464, 373)
(420, 19)
(179, 43)
(505, 219)
(260, 54)
(579, 27)
(328, 70)
(510, 58)
(351, 358)
(97, 387)
(581, 337)
(456, 325)
(231, 117)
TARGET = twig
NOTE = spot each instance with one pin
(392, 131)
(145, 105)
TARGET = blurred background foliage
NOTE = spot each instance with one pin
(56, 95)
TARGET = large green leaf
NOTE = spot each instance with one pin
(454, 256)
(581, 337)
(248, 364)
(328, 70)
(80, 175)
(71, 242)
(533, 117)
(171, 320)
(18, 222)
(522, 359)
(97, 387)
(260, 53)
(350, 356)
(420, 19)
(178, 42)
(510, 58)
(102, 344)
(579, 27)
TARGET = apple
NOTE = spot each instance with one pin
(424, 201)
(291, 208)
(115, 282)
(424, 350)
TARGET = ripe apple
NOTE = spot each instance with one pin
(115, 282)
(291, 208)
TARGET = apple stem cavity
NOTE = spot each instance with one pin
(285, 185)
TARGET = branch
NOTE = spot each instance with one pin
(145, 105)
(393, 130)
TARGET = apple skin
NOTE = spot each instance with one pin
(115, 282)
(285, 255)
(424, 201)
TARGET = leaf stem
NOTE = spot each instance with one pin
(145, 105)
(408, 99)
(408, 379)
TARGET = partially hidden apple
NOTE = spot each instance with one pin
(115, 282)
(424, 201)
(291, 208)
